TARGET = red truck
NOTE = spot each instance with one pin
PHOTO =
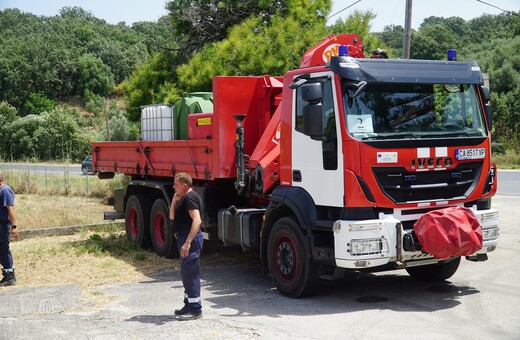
(346, 163)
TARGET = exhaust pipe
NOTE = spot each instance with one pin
(240, 183)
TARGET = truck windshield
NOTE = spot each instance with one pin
(395, 111)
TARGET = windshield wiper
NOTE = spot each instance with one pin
(393, 136)
(454, 134)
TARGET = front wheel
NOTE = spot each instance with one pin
(435, 272)
(290, 259)
(84, 170)
(161, 231)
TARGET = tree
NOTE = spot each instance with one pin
(359, 22)
(149, 83)
(393, 37)
(197, 23)
(38, 103)
(95, 76)
(432, 42)
(7, 113)
(257, 47)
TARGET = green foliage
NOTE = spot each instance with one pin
(53, 55)
(113, 245)
(359, 23)
(7, 113)
(393, 37)
(255, 47)
(38, 103)
(198, 23)
(95, 76)
(48, 136)
(432, 42)
(149, 84)
(93, 102)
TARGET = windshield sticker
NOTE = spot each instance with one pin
(387, 157)
(360, 123)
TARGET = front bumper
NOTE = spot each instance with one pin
(378, 242)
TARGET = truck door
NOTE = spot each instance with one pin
(317, 164)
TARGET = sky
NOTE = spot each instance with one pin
(389, 12)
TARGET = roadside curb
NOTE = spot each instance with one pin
(60, 231)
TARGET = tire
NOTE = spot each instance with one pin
(290, 260)
(435, 272)
(137, 220)
(84, 170)
(161, 231)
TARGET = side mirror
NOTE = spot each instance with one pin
(486, 95)
(486, 98)
(312, 93)
(313, 120)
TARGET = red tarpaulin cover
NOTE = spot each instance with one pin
(449, 232)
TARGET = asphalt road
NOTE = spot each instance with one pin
(479, 302)
(43, 169)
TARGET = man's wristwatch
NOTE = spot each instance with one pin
(13, 226)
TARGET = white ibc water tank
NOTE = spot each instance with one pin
(157, 122)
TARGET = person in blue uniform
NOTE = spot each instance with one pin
(185, 212)
(7, 229)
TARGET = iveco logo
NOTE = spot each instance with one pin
(430, 163)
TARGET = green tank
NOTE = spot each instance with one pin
(194, 102)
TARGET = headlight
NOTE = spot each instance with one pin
(490, 233)
(366, 246)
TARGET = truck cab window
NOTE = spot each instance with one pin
(329, 140)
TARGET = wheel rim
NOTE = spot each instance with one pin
(132, 223)
(286, 258)
(158, 227)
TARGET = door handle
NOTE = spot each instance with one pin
(296, 176)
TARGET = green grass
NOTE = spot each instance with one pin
(510, 159)
(113, 245)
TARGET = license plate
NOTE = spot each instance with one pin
(476, 153)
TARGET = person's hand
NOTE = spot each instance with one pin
(185, 249)
(176, 198)
(15, 234)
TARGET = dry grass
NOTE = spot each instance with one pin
(86, 259)
(41, 211)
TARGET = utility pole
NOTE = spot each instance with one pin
(407, 30)
(106, 117)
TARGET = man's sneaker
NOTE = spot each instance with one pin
(181, 311)
(191, 315)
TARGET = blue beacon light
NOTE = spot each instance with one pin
(343, 51)
(452, 55)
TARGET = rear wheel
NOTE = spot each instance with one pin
(435, 272)
(137, 220)
(290, 261)
(84, 170)
(161, 231)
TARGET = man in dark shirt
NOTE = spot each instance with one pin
(185, 212)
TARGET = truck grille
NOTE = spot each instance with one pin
(402, 186)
